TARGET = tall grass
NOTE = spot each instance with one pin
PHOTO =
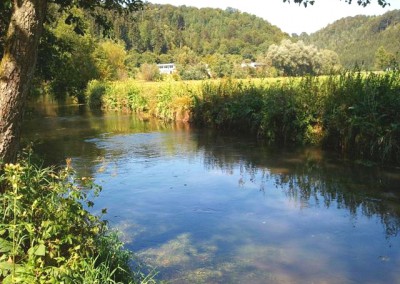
(354, 113)
(167, 100)
(362, 115)
(229, 104)
(47, 235)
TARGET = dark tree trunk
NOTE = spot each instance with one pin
(16, 71)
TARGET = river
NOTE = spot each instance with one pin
(207, 207)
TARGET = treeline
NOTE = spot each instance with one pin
(203, 43)
(214, 42)
(370, 42)
(164, 29)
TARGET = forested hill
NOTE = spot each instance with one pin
(161, 29)
(357, 39)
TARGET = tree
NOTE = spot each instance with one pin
(363, 3)
(384, 60)
(24, 19)
(110, 57)
(16, 70)
(298, 59)
(19, 58)
(65, 58)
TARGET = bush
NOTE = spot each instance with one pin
(95, 91)
(149, 72)
(354, 113)
(47, 235)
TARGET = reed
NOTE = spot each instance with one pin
(354, 113)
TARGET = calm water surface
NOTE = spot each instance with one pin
(211, 208)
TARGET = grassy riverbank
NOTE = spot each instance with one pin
(354, 113)
(47, 235)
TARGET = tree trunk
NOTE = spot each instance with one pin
(16, 71)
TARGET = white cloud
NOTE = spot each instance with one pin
(292, 18)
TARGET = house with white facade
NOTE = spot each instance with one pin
(252, 65)
(168, 68)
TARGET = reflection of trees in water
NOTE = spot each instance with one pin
(310, 176)
(305, 175)
(325, 187)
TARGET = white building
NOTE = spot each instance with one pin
(252, 65)
(168, 68)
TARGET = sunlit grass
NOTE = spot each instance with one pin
(353, 112)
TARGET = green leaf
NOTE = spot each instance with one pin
(5, 246)
(40, 250)
(5, 265)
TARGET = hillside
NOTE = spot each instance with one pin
(161, 29)
(357, 39)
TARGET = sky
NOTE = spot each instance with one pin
(292, 18)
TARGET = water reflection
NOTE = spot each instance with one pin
(210, 208)
(310, 176)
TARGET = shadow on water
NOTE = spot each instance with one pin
(211, 208)
(310, 175)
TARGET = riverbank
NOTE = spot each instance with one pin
(352, 113)
(47, 235)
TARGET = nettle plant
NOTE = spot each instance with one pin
(47, 235)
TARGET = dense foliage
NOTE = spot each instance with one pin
(47, 235)
(201, 42)
(298, 59)
(161, 29)
(357, 39)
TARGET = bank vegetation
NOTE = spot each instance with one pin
(354, 113)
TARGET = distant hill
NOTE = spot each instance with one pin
(160, 29)
(356, 39)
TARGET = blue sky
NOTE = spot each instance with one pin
(292, 18)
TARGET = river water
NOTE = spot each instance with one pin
(204, 207)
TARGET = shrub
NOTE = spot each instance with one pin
(47, 235)
(149, 72)
(95, 91)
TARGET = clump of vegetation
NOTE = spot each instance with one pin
(149, 72)
(169, 100)
(118, 96)
(47, 235)
(229, 104)
(174, 101)
(298, 59)
(95, 91)
(291, 112)
(361, 115)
